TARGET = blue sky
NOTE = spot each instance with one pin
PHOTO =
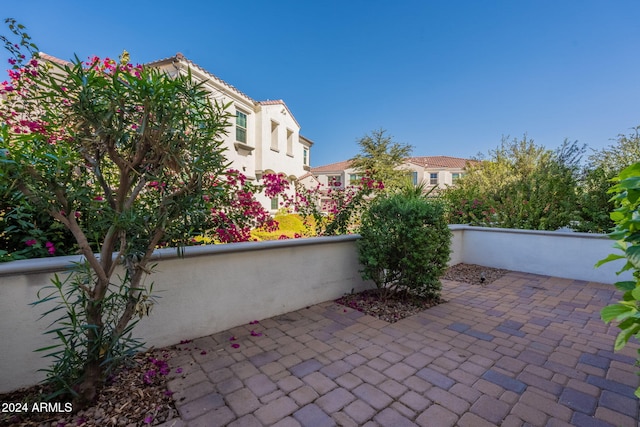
(449, 77)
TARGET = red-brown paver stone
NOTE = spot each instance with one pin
(436, 415)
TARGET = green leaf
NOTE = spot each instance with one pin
(636, 293)
(609, 258)
(633, 254)
(615, 311)
(625, 286)
(631, 183)
(624, 335)
(630, 171)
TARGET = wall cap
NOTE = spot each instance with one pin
(53, 264)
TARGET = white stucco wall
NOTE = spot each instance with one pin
(212, 289)
(552, 253)
(217, 287)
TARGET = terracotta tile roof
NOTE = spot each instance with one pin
(50, 58)
(333, 167)
(306, 140)
(440, 162)
(424, 161)
(279, 102)
(179, 57)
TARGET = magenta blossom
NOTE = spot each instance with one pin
(50, 248)
(31, 242)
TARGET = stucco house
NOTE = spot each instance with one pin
(264, 136)
(434, 171)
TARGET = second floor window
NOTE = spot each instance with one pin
(414, 178)
(305, 156)
(354, 178)
(433, 178)
(241, 127)
(455, 176)
(274, 136)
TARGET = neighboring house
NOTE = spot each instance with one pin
(434, 171)
(264, 137)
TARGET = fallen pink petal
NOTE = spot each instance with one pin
(179, 371)
(235, 345)
(233, 338)
(253, 322)
(256, 334)
(203, 352)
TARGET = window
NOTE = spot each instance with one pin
(274, 203)
(414, 178)
(290, 142)
(241, 127)
(274, 136)
(455, 176)
(334, 180)
(433, 178)
(354, 178)
(305, 156)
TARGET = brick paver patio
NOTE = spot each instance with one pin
(526, 350)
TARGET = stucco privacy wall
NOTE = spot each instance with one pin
(217, 287)
(553, 253)
(212, 289)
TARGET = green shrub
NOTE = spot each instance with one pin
(405, 244)
(627, 235)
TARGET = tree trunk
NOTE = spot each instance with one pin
(88, 388)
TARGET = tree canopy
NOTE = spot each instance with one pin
(381, 159)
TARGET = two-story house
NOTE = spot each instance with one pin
(264, 136)
(434, 171)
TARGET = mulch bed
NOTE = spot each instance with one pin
(392, 307)
(138, 396)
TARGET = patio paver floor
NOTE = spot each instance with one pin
(526, 350)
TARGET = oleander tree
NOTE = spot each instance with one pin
(122, 156)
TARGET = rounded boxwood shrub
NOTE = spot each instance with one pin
(405, 244)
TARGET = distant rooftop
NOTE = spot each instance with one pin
(424, 161)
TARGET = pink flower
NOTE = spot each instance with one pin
(235, 345)
(254, 322)
(256, 334)
(98, 198)
(50, 248)
(31, 242)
